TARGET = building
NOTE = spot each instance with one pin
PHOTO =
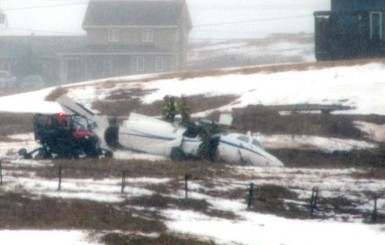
(127, 37)
(352, 29)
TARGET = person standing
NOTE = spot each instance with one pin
(165, 108)
(170, 108)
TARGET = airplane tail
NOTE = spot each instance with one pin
(74, 108)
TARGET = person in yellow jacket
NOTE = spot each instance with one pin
(170, 108)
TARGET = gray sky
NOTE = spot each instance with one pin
(212, 19)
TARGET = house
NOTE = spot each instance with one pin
(352, 29)
(127, 37)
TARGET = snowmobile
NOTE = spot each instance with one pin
(64, 136)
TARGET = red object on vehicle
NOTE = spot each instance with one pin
(79, 134)
(60, 116)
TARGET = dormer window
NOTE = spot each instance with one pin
(147, 35)
(113, 35)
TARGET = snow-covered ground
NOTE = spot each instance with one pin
(358, 86)
(274, 49)
(269, 229)
(60, 237)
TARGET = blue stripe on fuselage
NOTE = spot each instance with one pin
(149, 136)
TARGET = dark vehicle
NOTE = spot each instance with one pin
(64, 136)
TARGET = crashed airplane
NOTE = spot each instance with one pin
(61, 135)
(151, 135)
(203, 140)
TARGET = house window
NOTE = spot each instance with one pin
(159, 63)
(113, 35)
(147, 35)
(140, 64)
(376, 25)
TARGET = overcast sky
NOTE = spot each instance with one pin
(212, 19)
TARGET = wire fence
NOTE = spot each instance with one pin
(313, 203)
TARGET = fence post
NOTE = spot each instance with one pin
(250, 196)
(60, 176)
(313, 200)
(374, 213)
(186, 179)
(123, 181)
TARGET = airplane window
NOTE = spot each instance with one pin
(256, 143)
(243, 138)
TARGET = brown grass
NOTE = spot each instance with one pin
(163, 239)
(46, 213)
(26, 212)
(261, 119)
(271, 199)
(317, 159)
(134, 168)
(14, 123)
(59, 91)
(122, 103)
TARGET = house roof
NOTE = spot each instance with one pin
(135, 13)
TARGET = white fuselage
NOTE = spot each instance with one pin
(147, 134)
(151, 135)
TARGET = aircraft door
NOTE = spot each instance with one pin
(244, 149)
(258, 156)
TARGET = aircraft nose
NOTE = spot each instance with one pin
(272, 160)
(276, 163)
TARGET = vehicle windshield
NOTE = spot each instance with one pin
(80, 123)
